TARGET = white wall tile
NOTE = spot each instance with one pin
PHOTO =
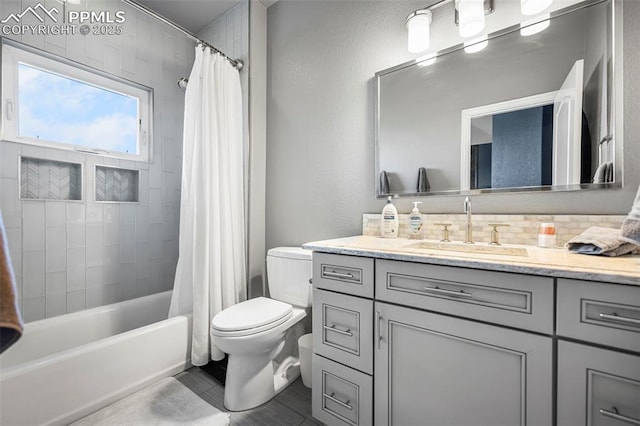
(76, 269)
(95, 244)
(33, 309)
(112, 233)
(56, 282)
(14, 240)
(76, 212)
(128, 243)
(143, 287)
(76, 235)
(9, 153)
(111, 294)
(142, 224)
(127, 214)
(142, 260)
(93, 296)
(33, 274)
(95, 277)
(56, 243)
(33, 221)
(95, 212)
(75, 301)
(56, 304)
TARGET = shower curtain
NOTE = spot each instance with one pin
(210, 275)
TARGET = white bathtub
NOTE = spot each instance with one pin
(66, 367)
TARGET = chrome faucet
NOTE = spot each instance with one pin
(468, 238)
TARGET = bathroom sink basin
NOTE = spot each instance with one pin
(478, 248)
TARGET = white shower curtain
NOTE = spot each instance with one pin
(210, 275)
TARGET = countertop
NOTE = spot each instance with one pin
(554, 262)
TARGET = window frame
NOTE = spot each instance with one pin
(14, 54)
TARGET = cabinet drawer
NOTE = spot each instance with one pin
(346, 274)
(603, 313)
(341, 395)
(343, 329)
(522, 301)
(597, 386)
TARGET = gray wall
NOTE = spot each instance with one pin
(320, 119)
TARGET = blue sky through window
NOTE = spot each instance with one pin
(60, 109)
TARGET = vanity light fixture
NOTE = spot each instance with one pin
(534, 26)
(476, 45)
(418, 23)
(532, 7)
(469, 15)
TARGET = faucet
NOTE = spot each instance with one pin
(468, 238)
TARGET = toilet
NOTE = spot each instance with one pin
(260, 335)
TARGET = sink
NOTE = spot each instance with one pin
(470, 248)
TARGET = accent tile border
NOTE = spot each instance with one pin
(523, 229)
(42, 179)
(116, 184)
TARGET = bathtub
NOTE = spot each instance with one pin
(66, 367)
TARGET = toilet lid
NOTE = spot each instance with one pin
(251, 314)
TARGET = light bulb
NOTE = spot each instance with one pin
(470, 17)
(418, 30)
(531, 7)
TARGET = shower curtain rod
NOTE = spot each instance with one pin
(237, 63)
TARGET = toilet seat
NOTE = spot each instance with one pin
(250, 317)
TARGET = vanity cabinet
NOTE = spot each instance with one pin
(432, 369)
(598, 385)
(342, 392)
(407, 343)
(440, 365)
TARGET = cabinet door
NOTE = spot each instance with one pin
(597, 387)
(432, 369)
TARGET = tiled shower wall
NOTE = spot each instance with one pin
(73, 255)
(522, 229)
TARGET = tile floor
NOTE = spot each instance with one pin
(292, 407)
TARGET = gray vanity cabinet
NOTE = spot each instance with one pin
(432, 369)
(598, 385)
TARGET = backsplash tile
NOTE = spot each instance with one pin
(523, 229)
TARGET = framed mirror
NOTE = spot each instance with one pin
(524, 112)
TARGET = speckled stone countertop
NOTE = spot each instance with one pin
(554, 262)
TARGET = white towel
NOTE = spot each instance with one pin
(601, 241)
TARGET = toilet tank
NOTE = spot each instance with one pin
(289, 271)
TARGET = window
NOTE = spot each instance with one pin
(49, 101)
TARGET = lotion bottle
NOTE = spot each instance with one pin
(415, 222)
(389, 228)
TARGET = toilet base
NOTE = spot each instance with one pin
(253, 382)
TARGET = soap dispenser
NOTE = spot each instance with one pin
(389, 228)
(415, 222)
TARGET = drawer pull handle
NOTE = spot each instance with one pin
(337, 401)
(346, 332)
(378, 334)
(616, 317)
(449, 292)
(334, 274)
(614, 414)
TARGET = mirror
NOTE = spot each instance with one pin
(526, 113)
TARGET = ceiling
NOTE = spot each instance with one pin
(193, 15)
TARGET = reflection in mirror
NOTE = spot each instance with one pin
(528, 112)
